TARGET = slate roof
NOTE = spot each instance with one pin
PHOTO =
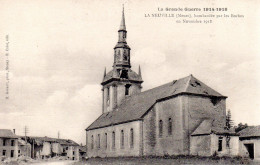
(41, 140)
(132, 76)
(122, 45)
(251, 131)
(207, 127)
(7, 133)
(134, 107)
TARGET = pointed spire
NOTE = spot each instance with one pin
(105, 73)
(139, 72)
(122, 25)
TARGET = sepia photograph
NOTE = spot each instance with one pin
(129, 82)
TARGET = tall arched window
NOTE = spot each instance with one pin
(131, 138)
(113, 140)
(122, 139)
(105, 140)
(92, 142)
(160, 128)
(98, 141)
(108, 94)
(170, 126)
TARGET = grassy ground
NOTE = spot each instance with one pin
(167, 161)
(51, 162)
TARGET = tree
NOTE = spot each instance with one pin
(240, 127)
(229, 121)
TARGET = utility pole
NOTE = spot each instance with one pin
(58, 134)
(26, 131)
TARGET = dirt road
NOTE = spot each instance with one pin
(61, 162)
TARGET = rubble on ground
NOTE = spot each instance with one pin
(19, 160)
(27, 160)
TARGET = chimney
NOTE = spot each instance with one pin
(14, 131)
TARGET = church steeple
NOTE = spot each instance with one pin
(122, 25)
(139, 71)
(121, 81)
(122, 50)
(105, 73)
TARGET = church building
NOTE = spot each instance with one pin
(182, 117)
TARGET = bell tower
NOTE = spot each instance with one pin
(121, 81)
(122, 50)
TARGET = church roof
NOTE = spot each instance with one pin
(251, 131)
(132, 76)
(134, 107)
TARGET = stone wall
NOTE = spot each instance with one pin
(8, 148)
(196, 109)
(116, 94)
(106, 149)
(255, 141)
(73, 152)
(166, 144)
(207, 145)
(232, 150)
(25, 150)
(234, 146)
(186, 112)
(135, 89)
(200, 145)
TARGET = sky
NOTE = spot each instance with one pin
(58, 51)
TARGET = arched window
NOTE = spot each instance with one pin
(160, 128)
(105, 140)
(131, 138)
(98, 141)
(124, 74)
(170, 126)
(113, 140)
(92, 142)
(125, 55)
(122, 139)
(108, 93)
(127, 87)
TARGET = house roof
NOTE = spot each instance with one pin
(22, 142)
(41, 140)
(207, 127)
(7, 133)
(134, 107)
(251, 131)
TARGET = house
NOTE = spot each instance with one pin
(24, 148)
(182, 117)
(249, 142)
(46, 147)
(82, 152)
(208, 140)
(8, 143)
